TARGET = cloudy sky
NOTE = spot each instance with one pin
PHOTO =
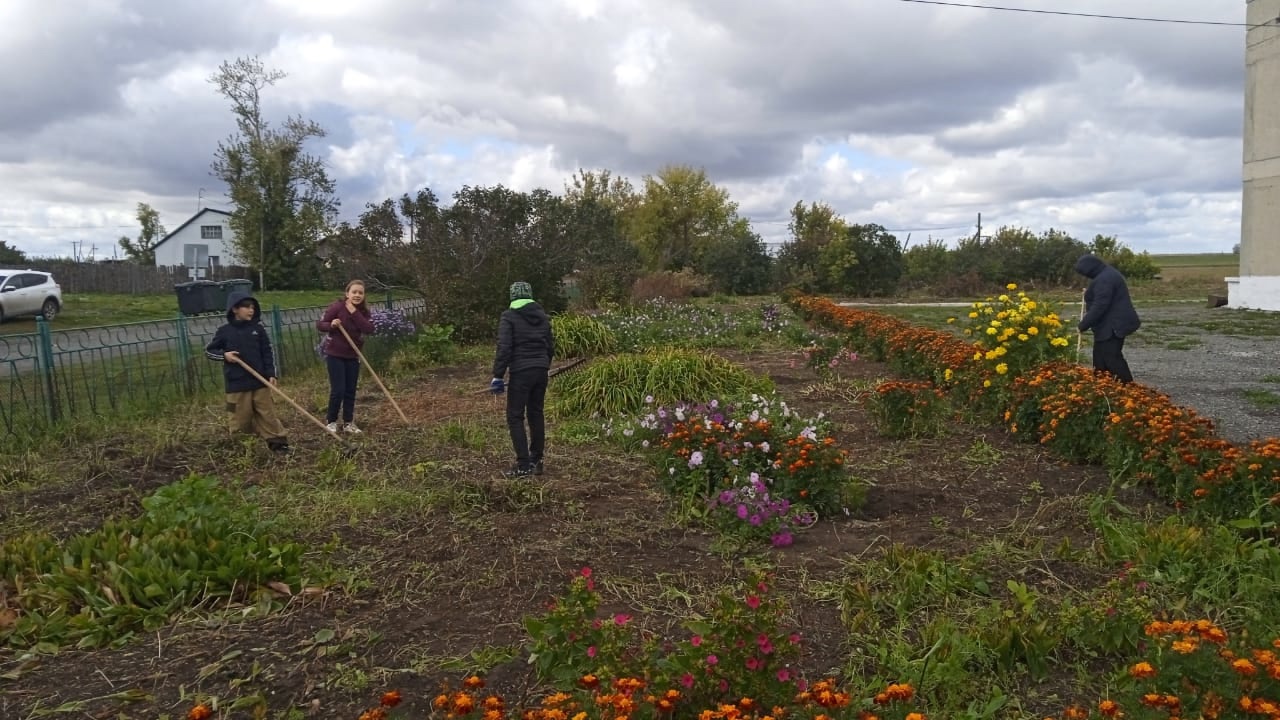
(914, 116)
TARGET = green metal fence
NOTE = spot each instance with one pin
(52, 378)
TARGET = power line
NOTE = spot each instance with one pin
(66, 227)
(1094, 15)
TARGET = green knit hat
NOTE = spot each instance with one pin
(520, 290)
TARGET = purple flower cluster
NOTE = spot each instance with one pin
(750, 510)
(392, 323)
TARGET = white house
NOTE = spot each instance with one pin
(205, 241)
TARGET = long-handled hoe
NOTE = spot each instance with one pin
(1079, 333)
(373, 373)
(289, 400)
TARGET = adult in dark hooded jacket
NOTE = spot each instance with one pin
(525, 349)
(244, 339)
(1109, 313)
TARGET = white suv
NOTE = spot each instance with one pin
(29, 292)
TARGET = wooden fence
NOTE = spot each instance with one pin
(127, 278)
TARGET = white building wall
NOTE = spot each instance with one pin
(1258, 285)
(189, 243)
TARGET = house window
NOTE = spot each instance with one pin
(210, 232)
(195, 256)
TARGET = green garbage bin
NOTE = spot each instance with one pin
(197, 297)
(226, 287)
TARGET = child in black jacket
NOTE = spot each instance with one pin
(250, 402)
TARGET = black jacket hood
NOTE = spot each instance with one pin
(532, 313)
(1090, 265)
(238, 296)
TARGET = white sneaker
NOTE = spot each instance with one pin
(332, 427)
(351, 428)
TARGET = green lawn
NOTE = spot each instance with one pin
(94, 309)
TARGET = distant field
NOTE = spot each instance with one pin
(1197, 260)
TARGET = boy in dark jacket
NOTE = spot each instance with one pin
(1110, 314)
(250, 402)
(525, 348)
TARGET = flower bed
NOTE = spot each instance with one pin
(1137, 433)
(756, 468)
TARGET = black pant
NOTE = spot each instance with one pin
(343, 374)
(526, 392)
(1108, 356)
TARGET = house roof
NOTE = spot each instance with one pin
(192, 219)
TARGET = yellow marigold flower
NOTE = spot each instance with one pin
(1011, 286)
(1024, 337)
(947, 375)
(1004, 298)
(1003, 314)
(1033, 330)
(973, 316)
(996, 323)
(990, 355)
(986, 383)
(1002, 368)
(1031, 305)
(991, 331)
(977, 355)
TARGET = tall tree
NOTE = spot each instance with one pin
(813, 229)
(284, 199)
(609, 261)
(10, 255)
(143, 250)
(681, 214)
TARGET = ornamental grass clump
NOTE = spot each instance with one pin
(619, 384)
(579, 335)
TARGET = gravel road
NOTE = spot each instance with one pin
(1223, 363)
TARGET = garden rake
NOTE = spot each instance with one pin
(372, 372)
(257, 376)
(573, 364)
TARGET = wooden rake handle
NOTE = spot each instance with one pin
(288, 399)
(372, 372)
(550, 373)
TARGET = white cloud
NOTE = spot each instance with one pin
(908, 115)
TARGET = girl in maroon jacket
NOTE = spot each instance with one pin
(352, 314)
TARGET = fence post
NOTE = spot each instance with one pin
(277, 334)
(390, 303)
(45, 366)
(184, 357)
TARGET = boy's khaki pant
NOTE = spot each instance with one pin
(254, 411)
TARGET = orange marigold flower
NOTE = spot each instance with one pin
(1110, 708)
(378, 713)
(441, 702)
(1244, 667)
(199, 712)
(390, 698)
(1075, 713)
(474, 682)
(1142, 670)
(916, 716)
(463, 703)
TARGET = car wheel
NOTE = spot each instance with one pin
(49, 310)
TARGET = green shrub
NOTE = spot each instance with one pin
(621, 384)
(194, 543)
(582, 336)
(905, 409)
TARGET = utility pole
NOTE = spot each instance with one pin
(979, 227)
